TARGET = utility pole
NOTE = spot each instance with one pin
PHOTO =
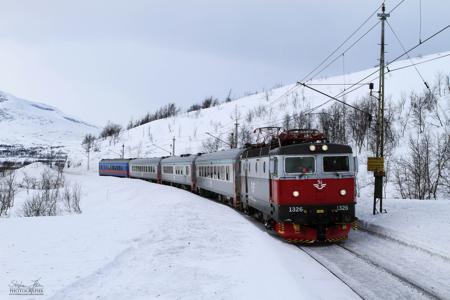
(173, 146)
(232, 141)
(236, 126)
(380, 173)
(123, 151)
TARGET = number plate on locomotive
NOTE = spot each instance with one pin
(342, 207)
(296, 209)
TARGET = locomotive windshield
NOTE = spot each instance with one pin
(299, 165)
(336, 164)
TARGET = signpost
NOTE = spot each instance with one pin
(375, 164)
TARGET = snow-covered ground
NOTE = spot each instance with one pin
(140, 240)
(137, 240)
(421, 223)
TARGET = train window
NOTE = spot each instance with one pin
(299, 165)
(336, 164)
(264, 167)
(168, 169)
(187, 170)
(256, 167)
(227, 173)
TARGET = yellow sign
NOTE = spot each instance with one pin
(375, 164)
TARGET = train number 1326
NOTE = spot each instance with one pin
(295, 209)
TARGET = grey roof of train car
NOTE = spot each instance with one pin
(115, 160)
(179, 159)
(304, 149)
(232, 154)
(151, 160)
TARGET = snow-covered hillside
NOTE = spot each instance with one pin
(32, 125)
(268, 108)
(271, 108)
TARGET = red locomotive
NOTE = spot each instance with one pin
(308, 194)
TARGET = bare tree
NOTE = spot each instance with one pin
(71, 198)
(8, 191)
(245, 135)
(359, 122)
(420, 173)
(76, 197)
(333, 123)
(211, 145)
(88, 143)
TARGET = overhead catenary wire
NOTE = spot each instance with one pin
(409, 57)
(293, 88)
(396, 6)
(345, 51)
(394, 60)
(420, 21)
(342, 44)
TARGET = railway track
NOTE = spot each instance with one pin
(379, 268)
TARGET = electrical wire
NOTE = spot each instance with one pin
(409, 57)
(394, 60)
(342, 44)
(420, 21)
(346, 50)
(395, 7)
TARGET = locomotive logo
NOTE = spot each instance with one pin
(320, 185)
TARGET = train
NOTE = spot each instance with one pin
(296, 182)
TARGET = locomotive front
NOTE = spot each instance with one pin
(312, 190)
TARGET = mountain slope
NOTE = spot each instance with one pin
(31, 130)
(271, 108)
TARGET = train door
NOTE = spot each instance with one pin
(273, 174)
(246, 164)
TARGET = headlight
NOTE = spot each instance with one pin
(296, 193)
(343, 192)
(324, 147)
(312, 148)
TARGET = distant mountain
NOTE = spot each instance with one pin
(30, 128)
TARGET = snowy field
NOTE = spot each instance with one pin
(137, 240)
(422, 223)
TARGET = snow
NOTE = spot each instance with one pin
(138, 240)
(420, 223)
(269, 108)
(32, 124)
(33, 170)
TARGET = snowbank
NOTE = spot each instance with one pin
(137, 240)
(420, 223)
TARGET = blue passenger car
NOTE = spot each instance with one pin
(114, 167)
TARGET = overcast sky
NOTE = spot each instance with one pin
(113, 60)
